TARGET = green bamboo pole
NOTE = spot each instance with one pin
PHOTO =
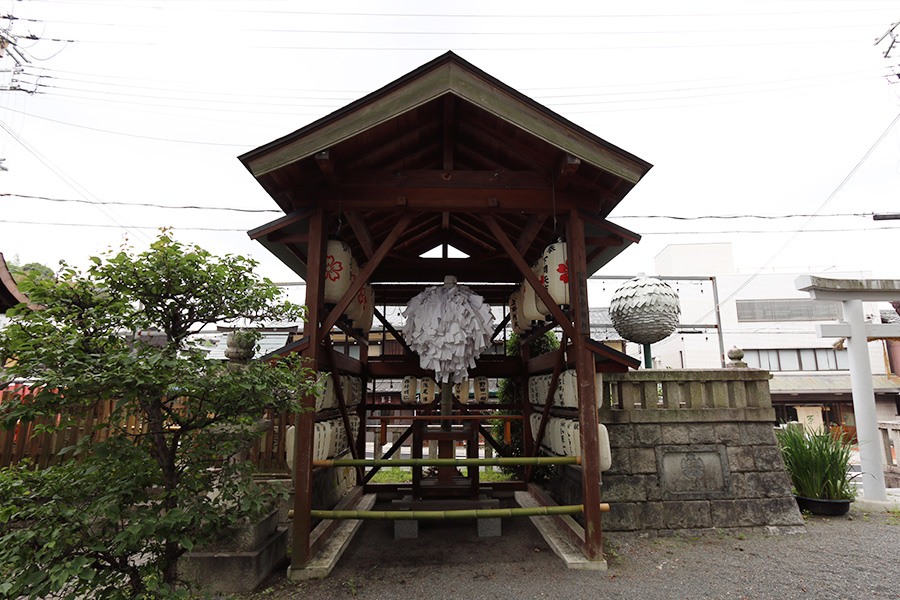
(434, 515)
(449, 462)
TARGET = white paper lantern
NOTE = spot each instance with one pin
(519, 325)
(427, 390)
(461, 392)
(364, 321)
(644, 310)
(338, 266)
(533, 309)
(556, 272)
(357, 304)
(408, 390)
(481, 389)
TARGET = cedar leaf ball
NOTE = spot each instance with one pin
(644, 310)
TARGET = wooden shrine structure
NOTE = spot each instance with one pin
(447, 156)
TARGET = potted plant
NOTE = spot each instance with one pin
(818, 462)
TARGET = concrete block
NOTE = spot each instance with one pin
(406, 529)
(235, 572)
(621, 462)
(622, 516)
(768, 458)
(647, 435)
(776, 484)
(643, 460)
(740, 458)
(489, 527)
(736, 513)
(687, 515)
(623, 488)
(703, 433)
(727, 433)
(620, 436)
(650, 515)
(758, 434)
(781, 512)
(676, 433)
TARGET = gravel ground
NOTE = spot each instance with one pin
(850, 557)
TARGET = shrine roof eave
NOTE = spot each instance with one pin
(447, 74)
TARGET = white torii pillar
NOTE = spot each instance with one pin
(851, 293)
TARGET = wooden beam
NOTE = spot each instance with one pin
(585, 371)
(339, 394)
(315, 293)
(326, 163)
(565, 170)
(288, 238)
(446, 179)
(358, 225)
(449, 118)
(528, 274)
(397, 336)
(366, 272)
(532, 228)
(281, 222)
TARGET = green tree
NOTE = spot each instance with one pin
(113, 521)
(32, 269)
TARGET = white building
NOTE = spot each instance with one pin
(775, 325)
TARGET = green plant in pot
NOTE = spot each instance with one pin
(818, 462)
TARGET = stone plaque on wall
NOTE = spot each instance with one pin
(696, 471)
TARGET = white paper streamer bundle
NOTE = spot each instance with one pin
(448, 327)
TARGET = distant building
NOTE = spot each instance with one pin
(775, 325)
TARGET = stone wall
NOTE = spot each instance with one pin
(692, 452)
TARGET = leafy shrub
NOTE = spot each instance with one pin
(113, 520)
(817, 462)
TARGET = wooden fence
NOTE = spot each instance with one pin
(28, 440)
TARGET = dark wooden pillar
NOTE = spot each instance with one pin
(315, 306)
(587, 399)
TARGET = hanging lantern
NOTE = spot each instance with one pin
(327, 399)
(533, 308)
(408, 390)
(461, 391)
(427, 391)
(556, 272)
(516, 319)
(567, 390)
(364, 322)
(481, 389)
(338, 266)
(644, 310)
(357, 305)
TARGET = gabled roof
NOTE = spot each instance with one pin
(446, 142)
(9, 292)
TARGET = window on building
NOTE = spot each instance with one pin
(788, 309)
(803, 359)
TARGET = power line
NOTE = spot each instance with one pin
(61, 174)
(144, 204)
(802, 228)
(129, 227)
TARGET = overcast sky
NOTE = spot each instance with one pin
(758, 108)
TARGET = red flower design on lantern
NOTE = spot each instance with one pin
(361, 297)
(563, 269)
(333, 268)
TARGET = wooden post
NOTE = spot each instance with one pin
(315, 304)
(587, 399)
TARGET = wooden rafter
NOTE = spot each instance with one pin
(528, 274)
(448, 131)
(532, 228)
(361, 232)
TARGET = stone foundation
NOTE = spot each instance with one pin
(692, 452)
